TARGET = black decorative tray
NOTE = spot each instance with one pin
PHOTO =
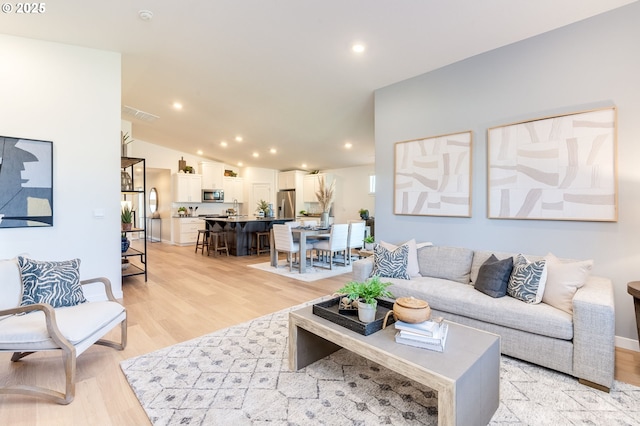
(329, 311)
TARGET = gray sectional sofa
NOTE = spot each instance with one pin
(579, 343)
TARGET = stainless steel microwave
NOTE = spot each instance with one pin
(212, 196)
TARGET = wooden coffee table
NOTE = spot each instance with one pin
(466, 375)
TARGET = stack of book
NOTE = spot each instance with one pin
(428, 334)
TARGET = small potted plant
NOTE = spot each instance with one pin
(366, 293)
(126, 217)
(364, 214)
(369, 241)
(263, 207)
(182, 211)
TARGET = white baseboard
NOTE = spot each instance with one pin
(626, 343)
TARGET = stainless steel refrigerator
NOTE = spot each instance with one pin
(286, 204)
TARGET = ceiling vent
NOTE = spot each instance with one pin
(140, 115)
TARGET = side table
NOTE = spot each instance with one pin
(633, 288)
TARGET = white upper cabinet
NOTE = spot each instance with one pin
(187, 188)
(212, 174)
(311, 186)
(290, 180)
(233, 189)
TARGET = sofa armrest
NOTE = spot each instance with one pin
(362, 268)
(594, 332)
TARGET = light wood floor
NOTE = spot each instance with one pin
(187, 295)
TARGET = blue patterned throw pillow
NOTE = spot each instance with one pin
(55, 283)
(527, 280)
(391, 264)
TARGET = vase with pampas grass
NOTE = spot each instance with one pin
(325, 195)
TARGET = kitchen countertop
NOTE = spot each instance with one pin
(235, 219)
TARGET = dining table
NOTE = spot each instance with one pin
(302, 233)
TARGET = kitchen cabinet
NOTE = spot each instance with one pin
(187, 188)
(186, 230)
(290, 180)
(212, 174)
(311, 185)
(135, 193)
(233, 189)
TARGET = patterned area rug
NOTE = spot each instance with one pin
(240, 376)
(311, 274)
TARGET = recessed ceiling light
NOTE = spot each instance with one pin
(303, 165)
(348, 145)
(177, 105)
(223, 143)
(238, 138)
(273, 150)
(239, 163)
(145, 15)
(255, 155)
(358, 48)
(199, 152)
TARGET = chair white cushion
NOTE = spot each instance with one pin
(10, 284)
(76, 323)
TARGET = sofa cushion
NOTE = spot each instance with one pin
(462, 299)
(451, 263)
(527, 280)
(55, 283)
(391, 264)
(493, 276)
(563, 280)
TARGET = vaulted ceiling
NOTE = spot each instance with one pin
(281, 73)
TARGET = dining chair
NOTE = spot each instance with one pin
(283, 240)
(337, 243)
(356, 237)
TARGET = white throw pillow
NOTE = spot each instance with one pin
(412, 262)
(563, 280)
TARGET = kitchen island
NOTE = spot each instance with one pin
(239, 230)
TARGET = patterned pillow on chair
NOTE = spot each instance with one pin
(390, 264)
(55, 283)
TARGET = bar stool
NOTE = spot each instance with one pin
(218, 242)
(262, 242)
(205, 240)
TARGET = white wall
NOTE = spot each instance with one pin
(593, 63)
(352, 193)
(71, 96)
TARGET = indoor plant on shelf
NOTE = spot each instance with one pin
(325, 195)
(126, 217)
(364, 214)
(366, 293)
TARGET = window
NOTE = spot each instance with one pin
(372, 184)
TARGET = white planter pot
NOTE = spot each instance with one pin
(367, 313)
(369, 246)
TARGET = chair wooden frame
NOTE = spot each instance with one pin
(68, 349)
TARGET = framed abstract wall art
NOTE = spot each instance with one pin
(432, 176)
(556, 168)
(26, 183)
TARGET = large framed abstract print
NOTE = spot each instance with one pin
(432, 176)
(556, 168)
(26, 183)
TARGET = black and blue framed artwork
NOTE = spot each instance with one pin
(26, 183)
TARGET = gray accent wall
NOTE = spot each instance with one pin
(591, 64)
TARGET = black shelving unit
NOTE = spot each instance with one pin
(137, 257)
